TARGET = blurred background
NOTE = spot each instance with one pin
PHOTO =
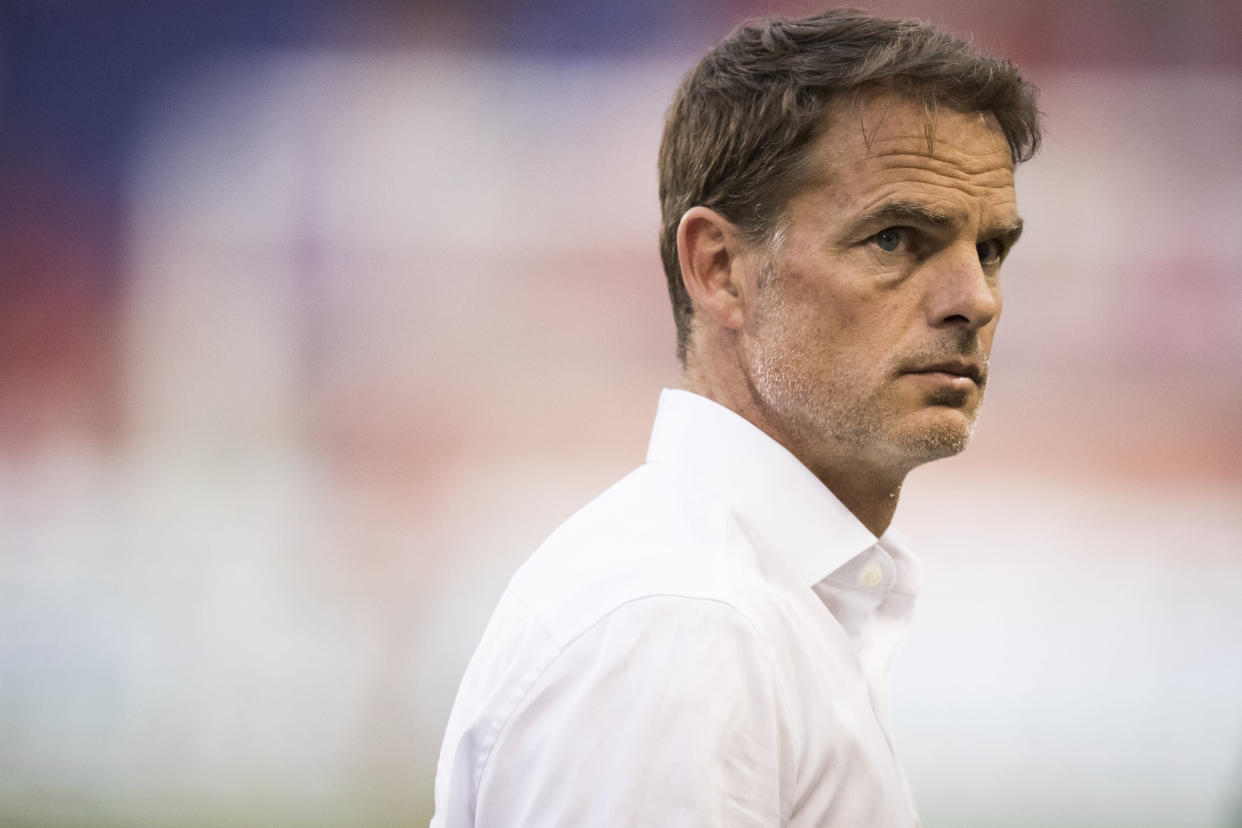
(316, 317)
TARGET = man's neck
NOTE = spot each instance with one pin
(873, 505)
(870, 493)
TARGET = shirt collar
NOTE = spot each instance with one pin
(786, 507)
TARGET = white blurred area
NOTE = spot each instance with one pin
(391, 318)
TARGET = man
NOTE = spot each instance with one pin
(707, 643)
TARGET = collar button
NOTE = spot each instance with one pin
(871, 576)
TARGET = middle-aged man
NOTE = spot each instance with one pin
(707, 643)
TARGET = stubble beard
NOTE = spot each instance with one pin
(816, 405)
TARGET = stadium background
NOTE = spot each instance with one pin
(315, 317)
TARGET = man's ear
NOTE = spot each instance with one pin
(709, 249)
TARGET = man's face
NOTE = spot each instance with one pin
(877, 302)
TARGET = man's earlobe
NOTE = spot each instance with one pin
(708, 248)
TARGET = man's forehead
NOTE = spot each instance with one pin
(884, 153)
(869, 124)
(886, 142)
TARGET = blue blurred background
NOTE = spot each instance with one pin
(315, 317)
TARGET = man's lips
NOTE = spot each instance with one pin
(951, 368)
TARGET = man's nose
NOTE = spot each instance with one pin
(960, 292)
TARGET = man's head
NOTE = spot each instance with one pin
(738, 130)
(837, 197)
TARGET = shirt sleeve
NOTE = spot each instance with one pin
(668, 711)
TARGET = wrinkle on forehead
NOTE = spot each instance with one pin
(936, 182)
(964, 170)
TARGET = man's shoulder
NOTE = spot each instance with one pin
(651, 534)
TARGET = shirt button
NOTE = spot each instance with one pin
(871, 576)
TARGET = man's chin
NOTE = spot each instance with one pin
(943, 433)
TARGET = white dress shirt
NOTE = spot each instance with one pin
(705, 644)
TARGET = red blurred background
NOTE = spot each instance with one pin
(316, 316)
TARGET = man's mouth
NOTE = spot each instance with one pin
(960, 373)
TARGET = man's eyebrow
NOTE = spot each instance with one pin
(1009, 232)
(912, 212)
(909, 212)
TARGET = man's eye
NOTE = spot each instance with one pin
(990, 252)
(888, 240)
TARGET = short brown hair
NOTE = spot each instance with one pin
(742, 120)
